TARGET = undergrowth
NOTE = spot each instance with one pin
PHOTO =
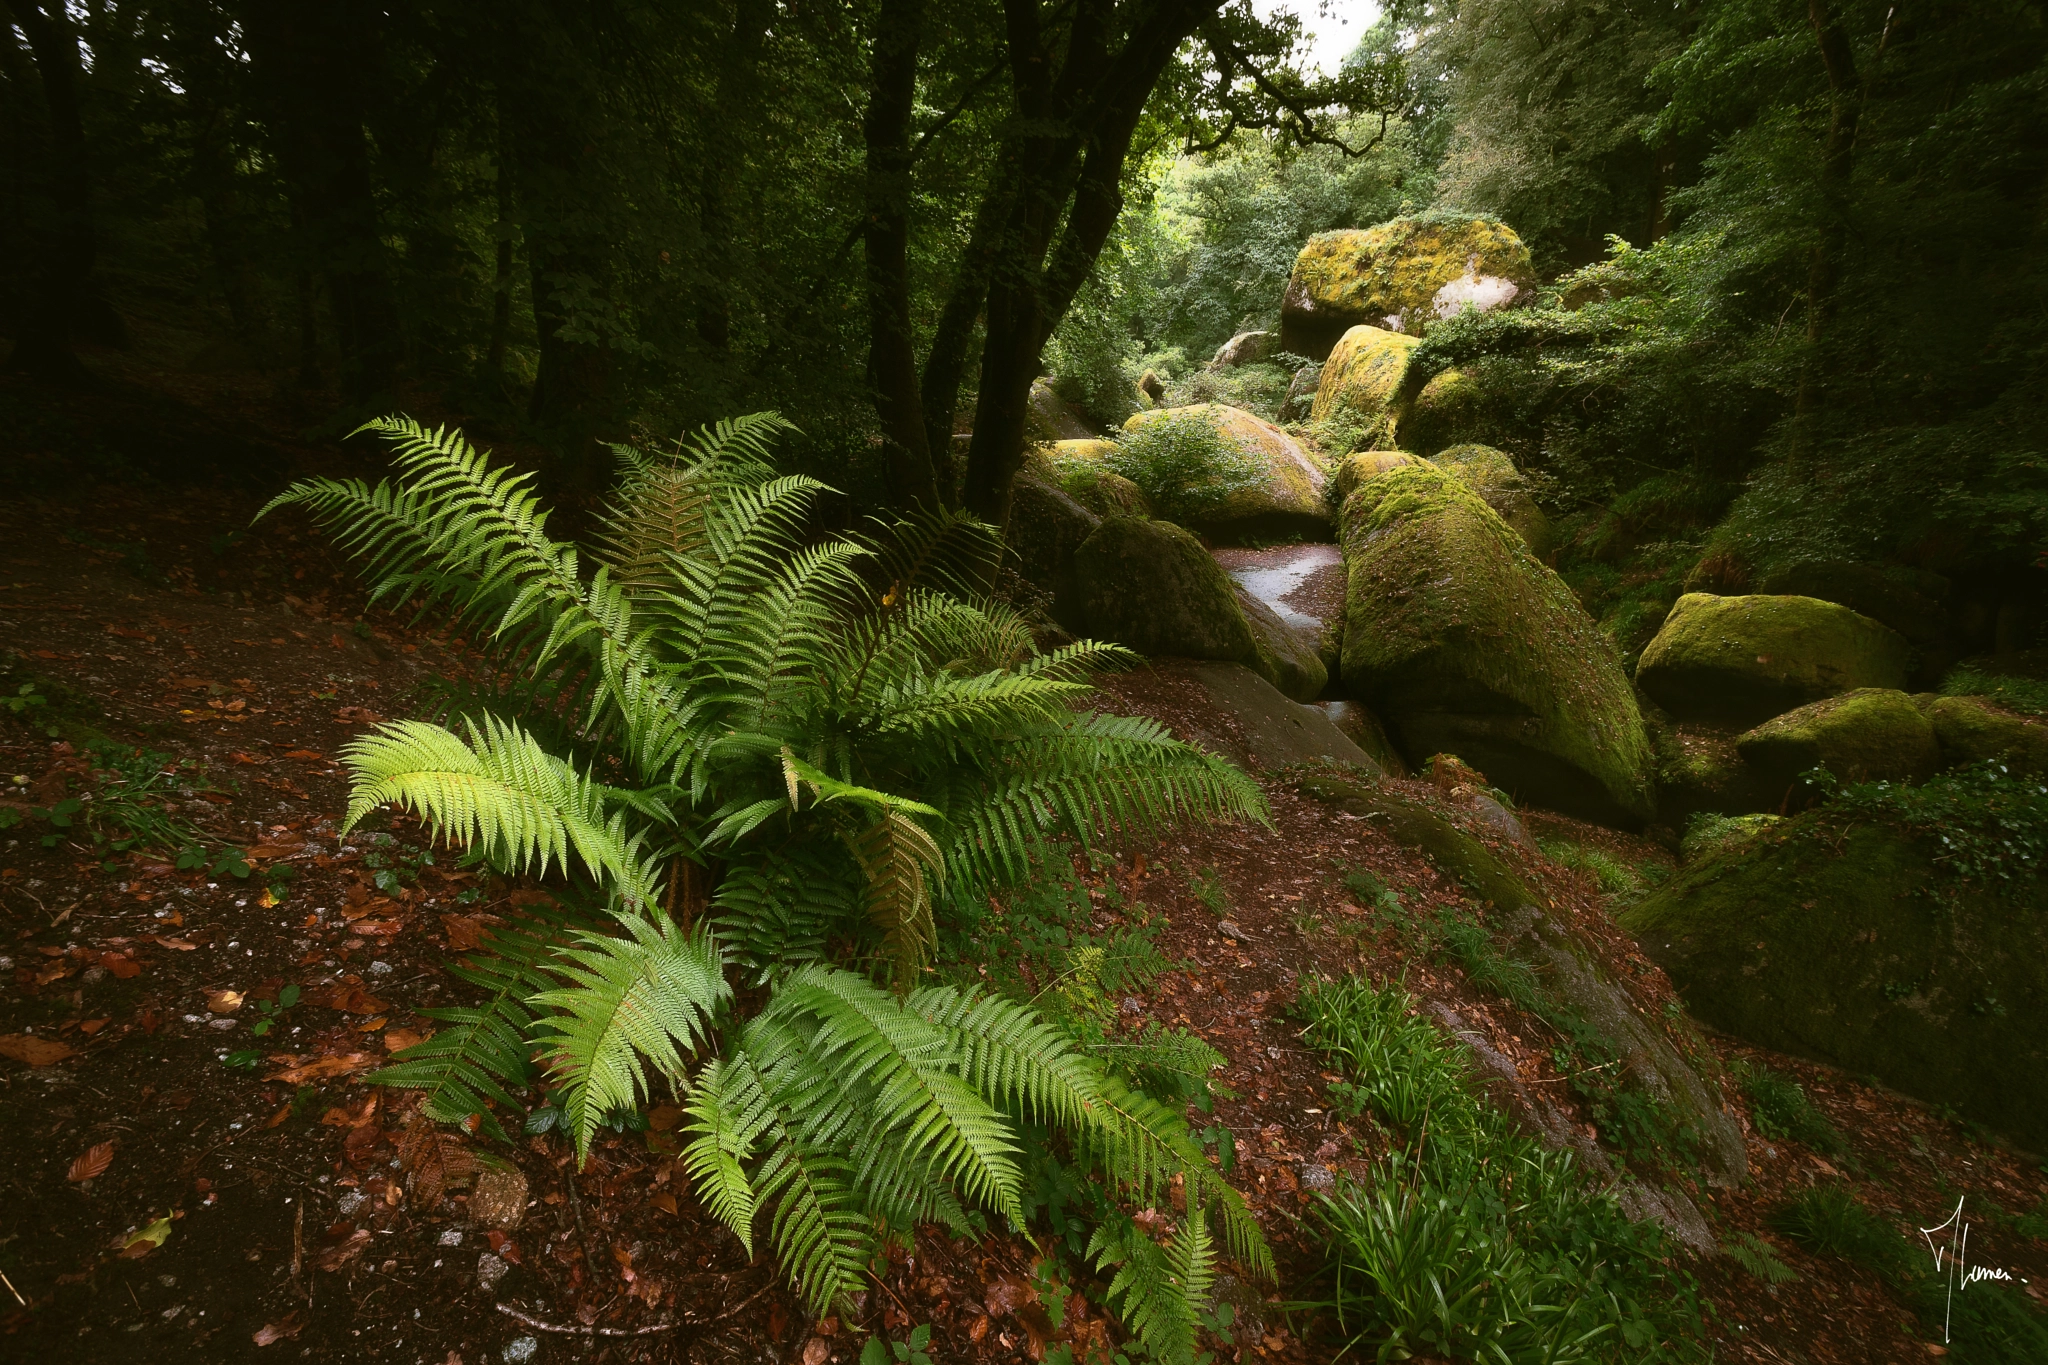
(1987, 825)
(2029, 696)
(1469, 1238)
(1781, 1110)
(1186, 464)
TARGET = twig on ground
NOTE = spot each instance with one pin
(580, 1331)
(12, 1290)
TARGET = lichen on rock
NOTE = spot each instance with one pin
(1392, 271)
(1362, 378)
(1464, 642)
(1287, 497)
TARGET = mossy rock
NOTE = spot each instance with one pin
(1368, 275)
(1912, 602)
(1050, 418)
(1745, 659)
(1719, 833)
(1870, 734)
(1355, 468)
(1466, 643)
(1492, 475)
(1450, 410)
(1151, 585)
(1045, 530)
(1358, 722)
(1848, 942)
(1363, 377)
(1699, 770)
(1970, 729)
(1528, 929)
(1077, 468)
(1288, 499)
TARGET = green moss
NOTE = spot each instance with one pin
(1150, 585)
(1492, 475)
(1868, 734)
(1363, 376)
(1711, 832)
(1972, 729)
(1450, 410)
(2026, 695)
(1355, 468)
(1280, 493)
(1898, 932)
(1466, 643)
(1355, 276)
(1746, 659)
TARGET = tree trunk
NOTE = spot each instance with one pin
(43, 344)
(739, 92)
(501, 281)
(892, 346)
(1845, 106)
(309, 62)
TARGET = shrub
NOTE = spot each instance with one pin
(1185, 464)
(1782, 1112)
(804, 742)
(1830, 1219)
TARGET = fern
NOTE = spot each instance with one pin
(850, 739)
(484, 1052)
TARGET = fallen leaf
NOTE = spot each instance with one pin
(399, 1039)
(664, 1117)
(334, 1258)
(358, 715)
(92, 1026)
(306, 755)
(141, 1243)
(23, 1047)
(224, 1002)
(466, 932)
(93, 1161)
(298, 1073)
(124, 968)
(664, 1201)
(284, 1112)
(273, 1332)
(349, 999)
(371, 1025)
(177, 944)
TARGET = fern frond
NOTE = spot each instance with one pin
(650, 994)
(484, 1051)
(899, 859)
(1159, 1292)
(499, 791)
(728, 1112)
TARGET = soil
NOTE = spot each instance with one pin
(309, 1216)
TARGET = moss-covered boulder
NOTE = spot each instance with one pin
(1076, 467)
(1362, 378)
(1712, 834)
(1355, 468)
(1746, 659)
(1912, 602)
(1152, 586)
(1450, 410)
(1868, 734)
(1699, 770)
(1390, 272)
(1464, 642)
(1246, 348)
(1580, 994)
(1849, 938)
(1971, 729)
(1052, 418)
(1492, 475)
(1288, 498)
(1045, 530)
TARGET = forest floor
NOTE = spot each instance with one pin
(193, 1169)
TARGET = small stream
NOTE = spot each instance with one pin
(1303, 583)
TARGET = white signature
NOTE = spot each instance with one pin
(1952, 1260)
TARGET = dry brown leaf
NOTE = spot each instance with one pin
(178, 944)
(399, 1039)
(664, 1201)
(224, 1002)
(24, 1047)
(298, 1073)
(466, 932)
(124, 968)
(433, 1160)
(273, 1332)
(335, 1257)
(93, 1161)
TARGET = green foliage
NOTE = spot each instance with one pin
(909, 1351)
(791, 708)
(1612, 876)
(1781, 1110)
(1831, 1220)
(1472, 1239)
(1756, 1256)
(2029, 696)
(1990, 823)
(1185, 464)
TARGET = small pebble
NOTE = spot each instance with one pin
(522, 1349)
(220, 1023)
(350, 1202)
(489, 1270)
(380, 969)
(452, 1237)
